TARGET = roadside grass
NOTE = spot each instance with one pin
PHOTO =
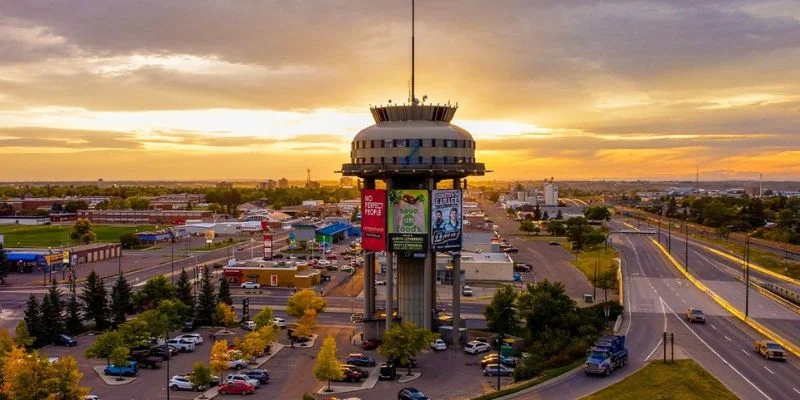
(770, 261)
(58, 235)
(519, 386)
(606, 266)
(685, 379)
(217, 245)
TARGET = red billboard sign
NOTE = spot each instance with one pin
(268, 246)
(373, 219)
(265, 226)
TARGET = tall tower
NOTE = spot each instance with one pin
(411, 147)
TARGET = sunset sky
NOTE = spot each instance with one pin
(575, 89)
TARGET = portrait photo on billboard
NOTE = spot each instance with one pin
(446, 220)
(373, 219)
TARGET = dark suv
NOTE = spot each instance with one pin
(260, 375)
(410, 393)
(361, 360)
(363, 373)
(64, 340)
(397, 364)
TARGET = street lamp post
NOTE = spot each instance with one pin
(669, 235)
(500, 342)
(747, 275)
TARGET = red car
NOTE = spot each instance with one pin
(236, 387)
(371, 344)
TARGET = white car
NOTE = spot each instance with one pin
(243, 378)
(380, 283)
(279, 322)
(476, 347)
(323, 263)
(438, 345)
(251, 285)
(198, 338)
(237, 364)
(180, 382)
(184, 345)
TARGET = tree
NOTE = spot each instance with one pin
(157, 289)
(218, 361)
(83, 232)
(52, 315)
(223, 315)
(252, 345)
(121, 301)
(403, 341)
(34, 377)
(556, 227)
(33, 318)
(224, 295)
(498, 318)
(559, 215)
(264, 317)
(545, 306)
(326, 367)
(130, 241)
(4, 264)
(21, 335)
(95, 302)
(206, 301)
(307, 323)
(119, 357)
(73, 206)
(183, 291)
(65, 380)
(537, 213)
(74, 319)
(545, 216)
(105, 345)
(201, 375)
(174, 313)
(138, 331)
(599, 213)
(304, 300)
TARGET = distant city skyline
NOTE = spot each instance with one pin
(581, 90)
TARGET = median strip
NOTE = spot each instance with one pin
(727, 306)
(754, 266)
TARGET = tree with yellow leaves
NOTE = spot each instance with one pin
(303, 300)
(326, 367)
(307, 323)
(252, 346)
(224, 315)
(218, 362)
(264, 317)
(29, 376)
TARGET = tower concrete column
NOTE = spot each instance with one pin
(456, 287)
(429, 274)
(369, 270)
(389, 277)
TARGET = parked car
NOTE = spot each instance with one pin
(475, 347)
(236, 387)
(248, 325)
(179, 382)
(509, 362)
(380, 283)
(189, 325)
(438, 345)
(695, 315)
(163, 351)
(250, 285)
(121, 370)
(198, 338)
(412, 363)
(364, 373)
(511, 250)
(146, 361)
(237, 364)
(242, 377)
(553, 243)
(371, 344)
(214, 379)
(92, 397)
(522, 267)
(770, 350)
(184, 345)
(410, 393)
(361, 360)
(349, 375)
(279, 322)
(466, 291)
(387, 372)
(518, 277)
(64, 340)
(495, 369)
(261, 375)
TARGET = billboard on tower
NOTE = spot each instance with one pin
(409, 220)
(446, 220)
(268, 246)
(373, 219)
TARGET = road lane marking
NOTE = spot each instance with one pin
(728, 339)
(654, 349)
(770, 371)
(745, 352)
(795, 389)
(715, 352)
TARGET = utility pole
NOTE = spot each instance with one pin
(669, 235)
(686, 241)
(747, 275)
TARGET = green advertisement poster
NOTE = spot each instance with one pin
(409, 219)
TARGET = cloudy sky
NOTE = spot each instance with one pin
(220, 89)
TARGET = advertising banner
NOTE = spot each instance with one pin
(408, 220)
(373, 219)
(268, 246)
(265, 226)
(446, 220)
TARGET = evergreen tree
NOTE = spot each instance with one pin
(52, 322)
(183, 289)
(224, 295)
(95, 303)
(206, 301)
(74, 320)
(545, 215)
(121, 303)
(4, 265)
(33, 317)
(559, 215)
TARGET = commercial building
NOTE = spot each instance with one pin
(550, 194)
(172, 217)
(272, 273)
(24, 220)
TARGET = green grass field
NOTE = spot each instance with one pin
(55, 236)
(605, 265)
(685, 379)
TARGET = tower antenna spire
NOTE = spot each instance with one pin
(413, 99)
